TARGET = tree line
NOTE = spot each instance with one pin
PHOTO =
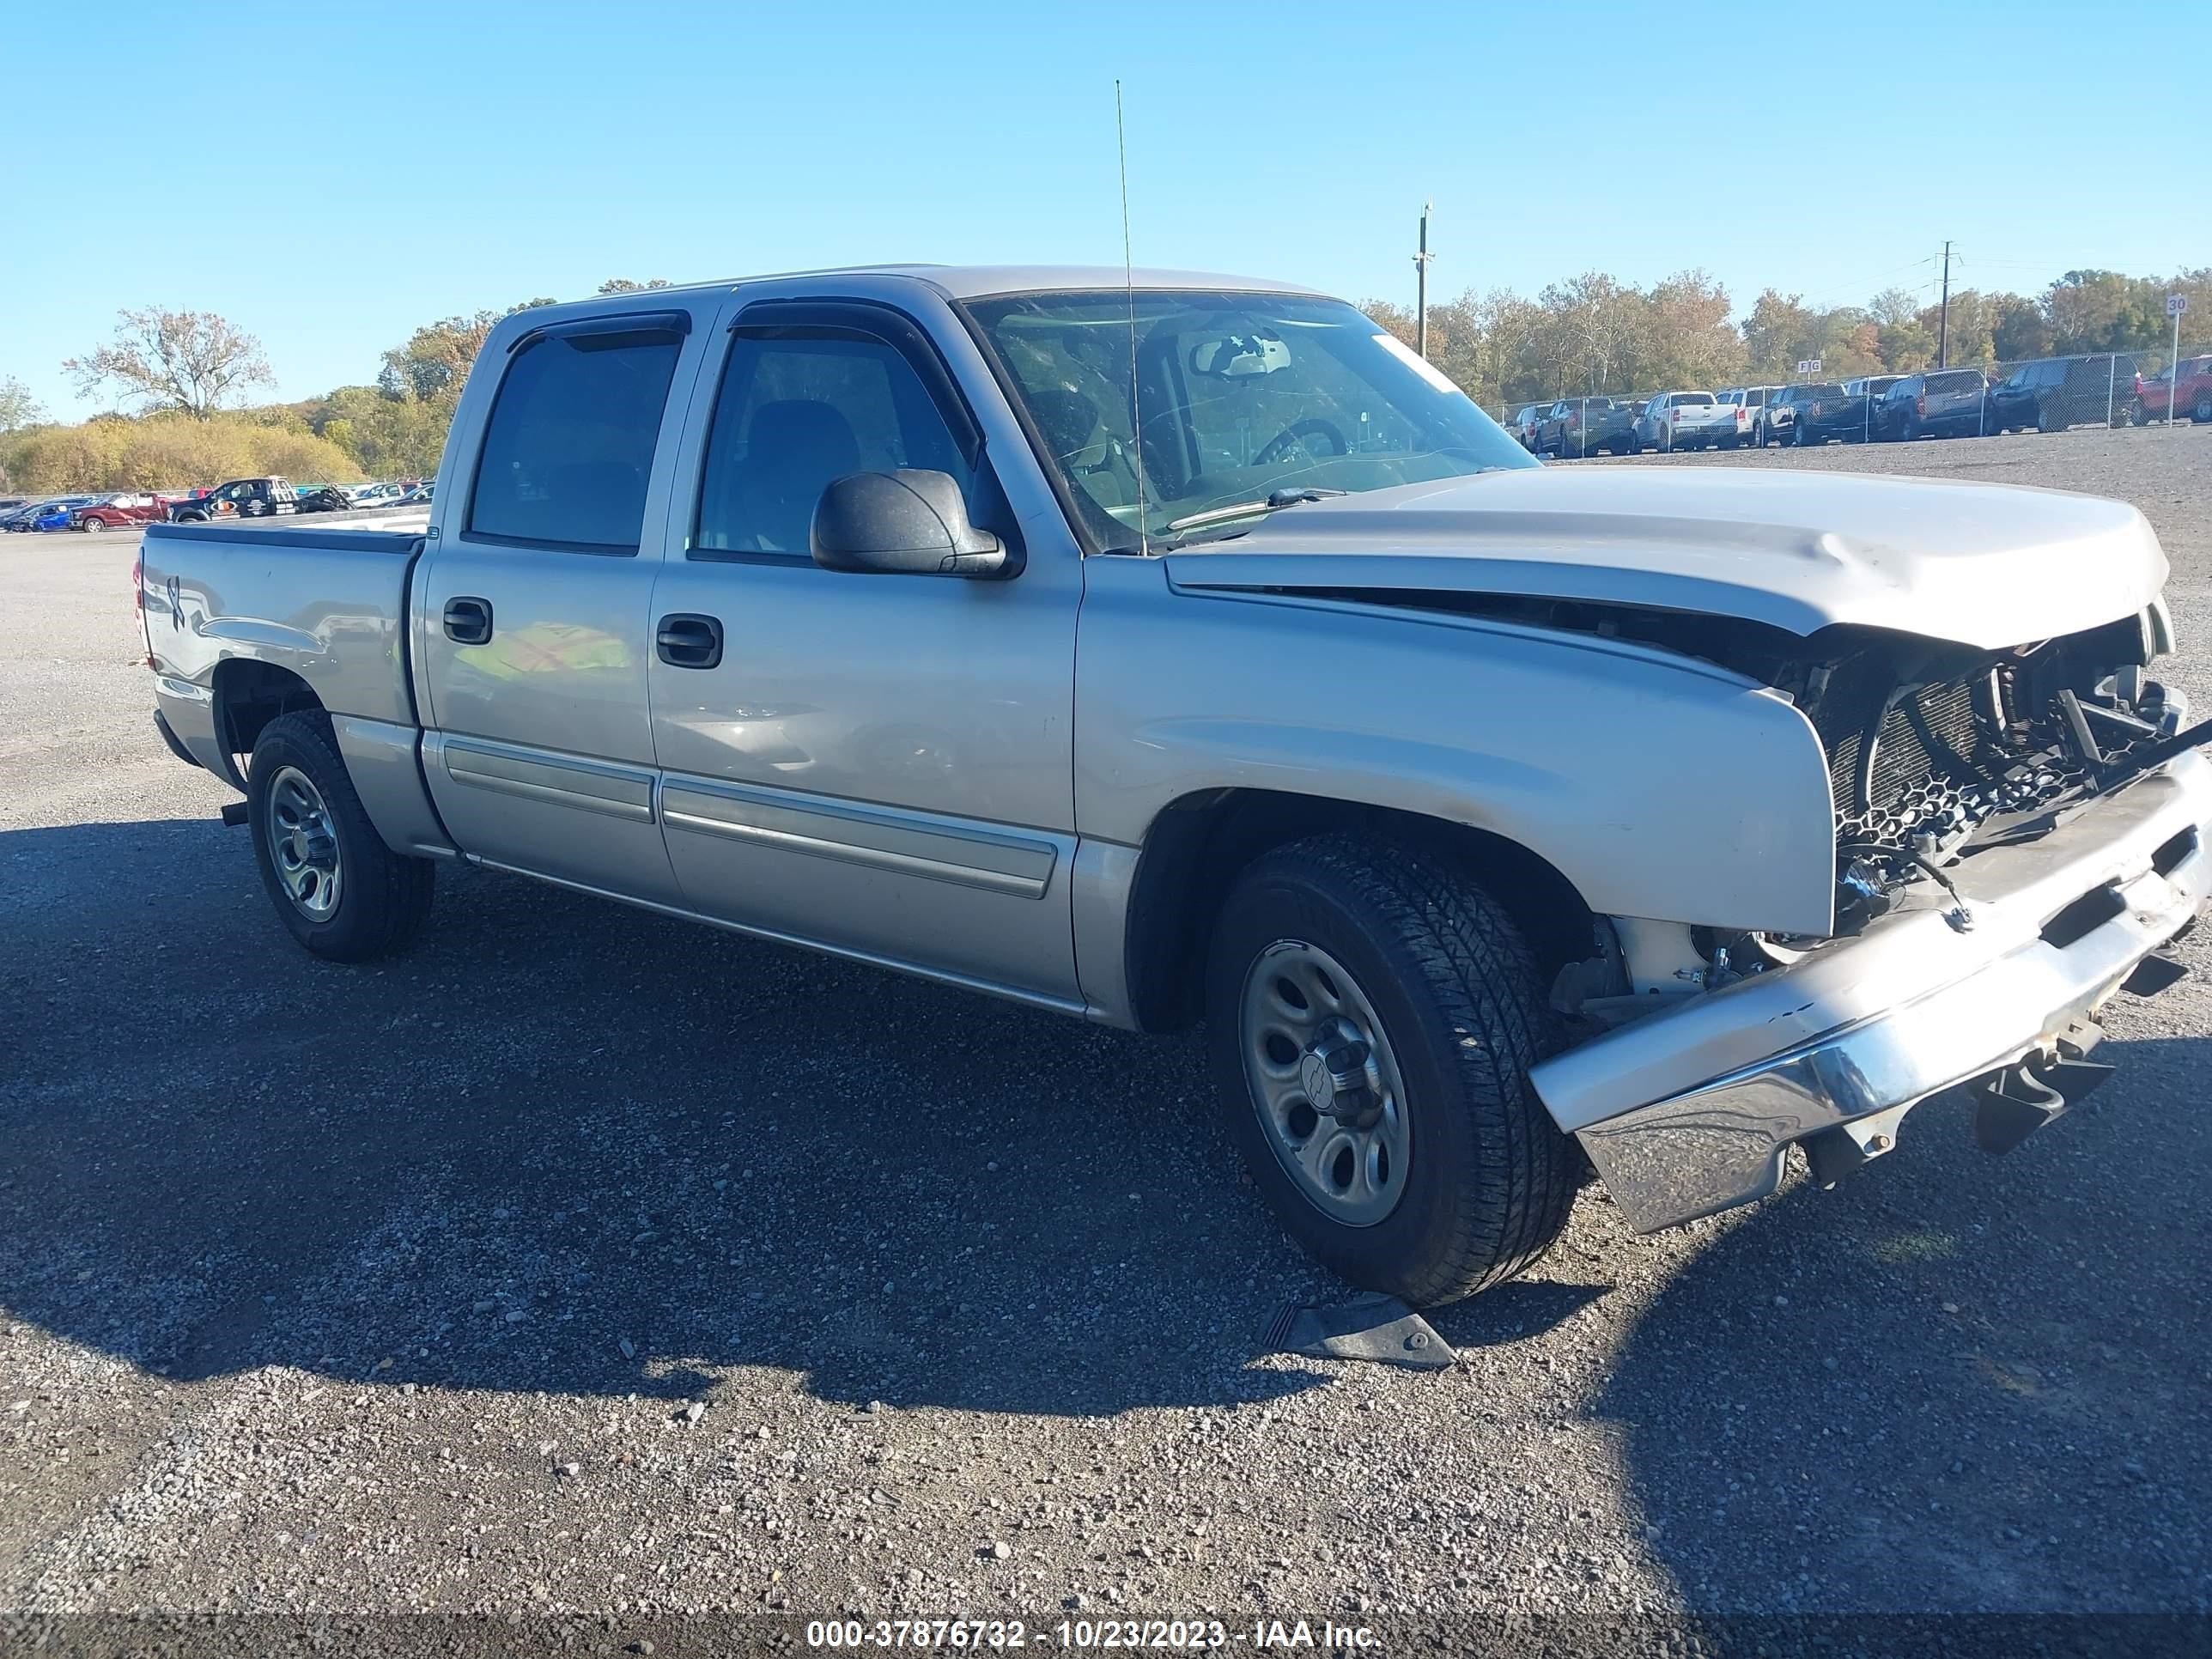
(1595, 335)
(181, 378)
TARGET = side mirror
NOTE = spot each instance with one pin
(907, 522)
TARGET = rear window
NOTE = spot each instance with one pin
(569, 445)
(1680, 398)
(1806, 394)
(1956, 380)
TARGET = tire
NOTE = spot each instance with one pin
(1484, 1182)
(1797, 436)
(373, 901)
(2046, 419)
(2137, 415)
(90, 526)
(2202, 414)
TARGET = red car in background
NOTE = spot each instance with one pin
(2195, 377)
(120, 511)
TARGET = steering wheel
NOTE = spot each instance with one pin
(1296, 436)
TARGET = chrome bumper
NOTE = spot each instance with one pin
(1689, 1112)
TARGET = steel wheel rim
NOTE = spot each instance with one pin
(303, 845)
(1349, 1152)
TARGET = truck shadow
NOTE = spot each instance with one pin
(566, 1145)
(1956, 1381)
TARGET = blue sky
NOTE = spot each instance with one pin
(430, 160)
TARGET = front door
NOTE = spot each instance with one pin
(878, 764)
(531, 602)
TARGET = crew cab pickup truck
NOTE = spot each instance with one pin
(1505, 826)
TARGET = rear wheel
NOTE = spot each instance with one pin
(2046, 419)
(90, 526)
(2203, 413)
(339, 890)
(1371, 1018)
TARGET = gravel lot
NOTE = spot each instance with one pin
(331, 1289)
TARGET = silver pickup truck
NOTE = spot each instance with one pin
(1163, 649)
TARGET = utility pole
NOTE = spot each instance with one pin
(1943, 316)
(1421, 285)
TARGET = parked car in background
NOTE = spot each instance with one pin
(241, 498)
(1774, 422)
(49, 513)
(2058, 393)
(9, 503)
(376, 495)
(1753, 400)
(1523, 424)
(1853, 422)
(1690, 420)
(121, 511)
(2193, 375)
(1817, 414)
(1938, 403)
(1575, 427)
(418, 496)
(323, 498)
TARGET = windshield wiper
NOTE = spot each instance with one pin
(1274, 503)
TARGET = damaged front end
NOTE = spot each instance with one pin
(1936, 753)
(2019, 836)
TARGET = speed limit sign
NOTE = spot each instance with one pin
(2176, 304)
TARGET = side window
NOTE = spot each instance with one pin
(569, 447)
(797, 411)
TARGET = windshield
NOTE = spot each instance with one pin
(1243, 396)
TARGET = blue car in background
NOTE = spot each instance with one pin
(52, 514)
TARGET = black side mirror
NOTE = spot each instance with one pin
(907, 522)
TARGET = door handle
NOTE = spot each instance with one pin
(468, 622)
(686, 640)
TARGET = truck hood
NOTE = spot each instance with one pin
(1988, 565)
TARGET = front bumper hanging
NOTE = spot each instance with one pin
(1690, 1112)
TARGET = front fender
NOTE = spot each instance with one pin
(1660, 786)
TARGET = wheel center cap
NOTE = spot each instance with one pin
(1320, 1086)
(1333, 1076)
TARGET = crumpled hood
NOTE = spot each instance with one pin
(1982, 565)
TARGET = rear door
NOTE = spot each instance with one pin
(531, 602)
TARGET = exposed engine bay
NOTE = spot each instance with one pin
(1935, 751)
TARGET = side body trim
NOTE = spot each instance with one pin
(590, 786)
(941, 850)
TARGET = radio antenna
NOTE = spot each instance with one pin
(1129, 286)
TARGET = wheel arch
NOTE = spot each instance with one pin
(1197, 843)
(248, 694)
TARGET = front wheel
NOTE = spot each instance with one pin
(339, 890)
(2202, 414)
(1371, 1019)
(90, 526)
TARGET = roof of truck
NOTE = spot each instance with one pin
(973, 281)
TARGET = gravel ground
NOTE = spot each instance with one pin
(332, 1290)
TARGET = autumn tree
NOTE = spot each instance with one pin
(18, 408)
(186, 361)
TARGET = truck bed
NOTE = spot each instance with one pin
(327, 604)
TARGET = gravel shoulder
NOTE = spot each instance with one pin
(368, 1291)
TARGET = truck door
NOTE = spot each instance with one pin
(530, 601)
(878, 764)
